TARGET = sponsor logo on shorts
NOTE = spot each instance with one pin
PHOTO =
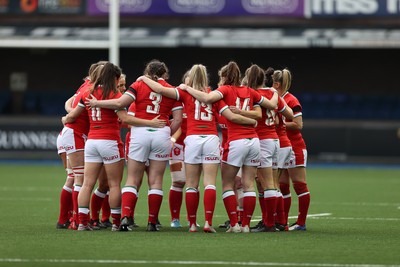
(255, 161)
(68, 148)
(110, 158)
(211, 158)
(162, 156)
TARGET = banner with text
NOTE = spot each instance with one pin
(353, 8)
(201, 7)
(34, 7)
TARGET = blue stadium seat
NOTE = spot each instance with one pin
(30, 102)
(322, 107)
(52, 103)
(351, 106)
(340, 106)
(5, 98)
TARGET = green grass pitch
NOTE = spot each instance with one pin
(354, 221)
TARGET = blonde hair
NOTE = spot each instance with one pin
(284, 77)
(198, 77)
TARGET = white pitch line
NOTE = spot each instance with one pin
(257, 218)
(87, 261)
(25, 199)
(354, 218)
(378, 204)
(28, 189)
(326, 216)
(313, 215)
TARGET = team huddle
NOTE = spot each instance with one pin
(260, 124)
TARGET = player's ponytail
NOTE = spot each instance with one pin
(198, 78)
(230, 74)
(287, 79)
(108, 79)
(255, 76)
(268, 77)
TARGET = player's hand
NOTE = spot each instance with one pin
(183, 86)
(64, 120)
(91, 102)
(140, 78)
(156, 123)
(234, 109)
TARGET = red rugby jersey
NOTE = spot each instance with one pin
(294, 136)
(242, 97)
(103, 121)
(182, 137)
(266, 125)
(81, 124)
(150, 104)
(200, 116)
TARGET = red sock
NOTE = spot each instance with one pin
(249, 204)
(175, 201)
(65, 204)
(129, 196)
(198, 196)
(210, 197)
(96, 203)
(304, 202)
(262, 206)
(154, 201)
(240, 214)
(230, 204)
(270, 206)
(280, 212)
(75, 194)
(83, 216)
(105, 209)
(116, 216)
(192, 204)
(287, 199)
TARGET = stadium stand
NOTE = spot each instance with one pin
(344, 60)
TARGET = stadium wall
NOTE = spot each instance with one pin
(335, 133)
(327, 141)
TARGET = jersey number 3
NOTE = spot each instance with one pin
(155, 108)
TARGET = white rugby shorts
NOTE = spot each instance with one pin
(202, 149)
(269, 152)
(103, 151)
(284, 156)
(72, 141)
(242, 152)
(150, 143)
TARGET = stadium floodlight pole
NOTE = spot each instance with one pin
(113, 19)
